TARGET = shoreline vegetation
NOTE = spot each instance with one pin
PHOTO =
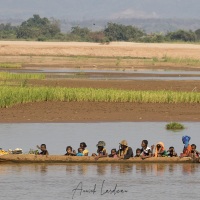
(44, 29)
(10, 96)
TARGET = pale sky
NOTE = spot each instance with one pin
(100, 9)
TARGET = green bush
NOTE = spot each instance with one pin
(37, 27)
(174, 126)
(197, 32)
(182, 35)
(119, 32)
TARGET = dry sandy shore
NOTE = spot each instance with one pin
(94, 111)
(17, 48)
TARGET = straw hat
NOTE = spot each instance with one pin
(101, 144)
(124, 142)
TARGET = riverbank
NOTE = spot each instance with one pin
(99, 112)
(105, 111)
(116, 56)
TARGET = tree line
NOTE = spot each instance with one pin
(44, 29)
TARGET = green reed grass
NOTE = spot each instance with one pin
(7, 75)
(174, 126)
(15, 95)
(10, 65)
(174, 60)
(187, 61)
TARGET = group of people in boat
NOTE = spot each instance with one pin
(126, 152)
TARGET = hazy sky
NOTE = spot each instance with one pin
(100, 9)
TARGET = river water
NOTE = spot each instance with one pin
(59, 135)
(63, 73)
(97, 181)
(134, 181)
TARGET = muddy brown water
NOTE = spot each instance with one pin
(96, 181)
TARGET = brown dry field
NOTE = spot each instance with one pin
(47, 54)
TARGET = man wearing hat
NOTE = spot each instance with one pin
(125, 152)
(101, 151)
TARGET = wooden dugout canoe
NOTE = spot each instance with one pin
(28, 158)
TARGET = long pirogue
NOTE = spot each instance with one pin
(27, 158)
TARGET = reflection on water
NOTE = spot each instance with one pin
(53, 181)
(101, 169)
(189, 169)
(70, 168)
(41, 168)
(125, 169)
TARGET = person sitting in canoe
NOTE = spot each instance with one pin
(194, 153)
(80, 152)
(113, 154)
(43, 149)
(83, 146)
(160, 150)
(187, 147)
(171, 152)
(101, 151)
(70, 152)
(138, 152)
(124, 152)
(145, 151)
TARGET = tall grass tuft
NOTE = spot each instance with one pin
(7, 75)
(15, 95)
